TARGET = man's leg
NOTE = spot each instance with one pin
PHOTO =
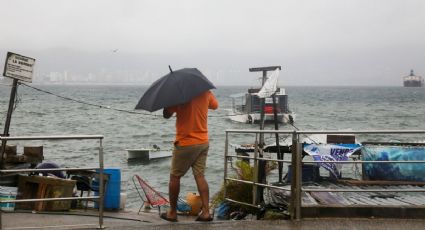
(203, 189)
(179, 167)
(173, 193)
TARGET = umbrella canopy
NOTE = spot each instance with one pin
(175, 88)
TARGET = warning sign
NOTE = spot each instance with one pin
(19, 67)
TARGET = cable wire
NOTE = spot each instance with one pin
(106, 107)
(89, 103)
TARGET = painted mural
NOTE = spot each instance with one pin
(393, 171)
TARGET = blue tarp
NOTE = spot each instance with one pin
(393, 171)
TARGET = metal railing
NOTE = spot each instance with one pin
(100, 169)
(296, 161)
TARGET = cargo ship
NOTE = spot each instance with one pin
(412, 80)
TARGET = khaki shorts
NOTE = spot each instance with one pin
(185, 157)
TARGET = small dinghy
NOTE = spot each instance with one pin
(147, 154)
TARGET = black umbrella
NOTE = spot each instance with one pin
(175, 88)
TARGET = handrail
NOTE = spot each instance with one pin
(46, 170)
(296, 161)
(100, 198)
(327, 131)
(55, 137)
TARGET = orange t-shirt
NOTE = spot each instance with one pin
(191, 123)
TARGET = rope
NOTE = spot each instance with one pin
(305, 135)
(106, 107)
(89, 103)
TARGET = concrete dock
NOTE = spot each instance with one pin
(150, 220)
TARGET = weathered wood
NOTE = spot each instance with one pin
(10, 150)
(400, 199)
(36, 187)
(370, 182)
(340, 139)
(329, 198)
(307, 199)
(13, 91)
(33, 154)
(267, 68)
(36, 151)
(365, 211)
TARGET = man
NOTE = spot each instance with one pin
(190, 150)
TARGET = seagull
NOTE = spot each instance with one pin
(115, 50)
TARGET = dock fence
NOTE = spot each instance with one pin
(296, 161)
(100, 169)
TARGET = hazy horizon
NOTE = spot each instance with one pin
(317, 43)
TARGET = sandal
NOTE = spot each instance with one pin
(208, 219)
(165, 217)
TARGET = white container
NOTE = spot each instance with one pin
(7, 193)
(123, 200)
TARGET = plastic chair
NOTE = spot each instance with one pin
(155, 198)
(83, 184)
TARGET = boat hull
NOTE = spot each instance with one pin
(146, 154)
(255, 118)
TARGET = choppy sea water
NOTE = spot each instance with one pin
(316, 108)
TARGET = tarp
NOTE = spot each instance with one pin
(331, 152)
(394, 171)
(270, 86)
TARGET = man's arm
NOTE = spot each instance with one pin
(213, 104)
(166, 113)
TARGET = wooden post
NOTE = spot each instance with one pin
(292, 209)
(296, 178)
(8, 118)
(276, 127)
(262, 164)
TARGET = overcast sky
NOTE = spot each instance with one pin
(339, 42)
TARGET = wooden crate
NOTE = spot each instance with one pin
(35, 187)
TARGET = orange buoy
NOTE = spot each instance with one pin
(195, 202)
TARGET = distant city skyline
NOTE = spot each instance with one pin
(326, 42)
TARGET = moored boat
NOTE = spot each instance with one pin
(146, 154)
(246, 107)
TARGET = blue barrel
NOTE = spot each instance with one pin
(113, 189)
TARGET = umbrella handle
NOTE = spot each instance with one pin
(170, 68)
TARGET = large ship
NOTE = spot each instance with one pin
(412, 80)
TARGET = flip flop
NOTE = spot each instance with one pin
(165, 217)
(208, 219)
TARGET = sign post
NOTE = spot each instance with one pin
(20, 68)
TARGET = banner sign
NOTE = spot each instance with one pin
(331, 152)
(394, 171)
(18, 67)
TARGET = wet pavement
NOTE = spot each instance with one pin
(151, 220)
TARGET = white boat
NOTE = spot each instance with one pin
(246, 107)
(147, 154)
